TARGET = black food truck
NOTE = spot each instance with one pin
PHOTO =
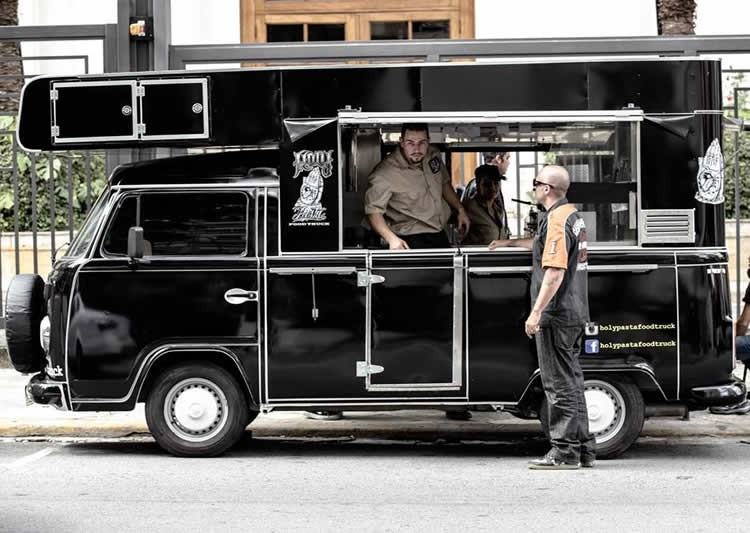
(214, 287)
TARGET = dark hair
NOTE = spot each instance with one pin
(488, 157)
(487, 172)
(414, 126)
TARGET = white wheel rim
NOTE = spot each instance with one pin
(196, 409)
(606, 410)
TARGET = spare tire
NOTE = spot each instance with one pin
(24, 311)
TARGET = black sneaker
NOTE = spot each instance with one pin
(552, 462)
(735, 409)
(458, 415)
(588, 462)
(324, 415)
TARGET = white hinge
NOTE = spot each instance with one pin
(364, 279)
(140, 90)
(54, 95)
(140, 129)
(55, 131)
(364, 370)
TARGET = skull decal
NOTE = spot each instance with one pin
(711, 175)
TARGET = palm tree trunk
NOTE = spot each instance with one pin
(675, 17)
(11, 68)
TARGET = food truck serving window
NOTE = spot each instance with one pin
(599, 150)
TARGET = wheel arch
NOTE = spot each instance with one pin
(169, 356)
(641, 374)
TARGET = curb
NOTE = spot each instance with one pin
(429, 429)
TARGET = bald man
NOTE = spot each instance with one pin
(559, 312)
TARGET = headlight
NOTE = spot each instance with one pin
(44, 329)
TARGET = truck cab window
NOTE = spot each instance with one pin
(184, 224)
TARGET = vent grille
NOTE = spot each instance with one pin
(667, 226)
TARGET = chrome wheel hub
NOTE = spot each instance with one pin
(196, 409)
(606, 409)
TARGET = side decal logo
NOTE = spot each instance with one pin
(592, 346)
(711, 175)
(308, 209)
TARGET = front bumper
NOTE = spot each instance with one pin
(45, 392)
(725, 394)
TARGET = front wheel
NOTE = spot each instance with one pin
(615, 411)
(196, 409)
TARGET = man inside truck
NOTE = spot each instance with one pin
(409, 198)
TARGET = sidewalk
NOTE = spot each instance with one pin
(17, 421)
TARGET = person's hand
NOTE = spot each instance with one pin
(500, 243)
(395, 243)
(532, 323)
(463, 222)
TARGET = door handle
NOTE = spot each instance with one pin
(240, 296)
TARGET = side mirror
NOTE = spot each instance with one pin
(136, 244)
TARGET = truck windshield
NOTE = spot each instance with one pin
(81, 242)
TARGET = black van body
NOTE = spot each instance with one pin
(229, 301)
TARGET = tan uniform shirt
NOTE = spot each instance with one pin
(410, 197)
(486, 223)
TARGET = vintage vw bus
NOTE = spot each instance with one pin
(213, 287)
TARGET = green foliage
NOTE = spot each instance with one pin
(55, 183)
(743, 157)
(737, 144)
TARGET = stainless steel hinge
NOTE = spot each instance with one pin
(54, 95)
(55, 131)
(364, 279)
(140, 90)
(364, 370)
(140, 129)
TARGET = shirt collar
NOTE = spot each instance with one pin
(561, 201)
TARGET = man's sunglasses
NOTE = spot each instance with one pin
(537, 183)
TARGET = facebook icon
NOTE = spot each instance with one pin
(591, 346)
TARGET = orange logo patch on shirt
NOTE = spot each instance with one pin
(552, 248)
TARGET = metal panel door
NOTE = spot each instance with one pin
(415, 326)
(93, 111)
(174, 109)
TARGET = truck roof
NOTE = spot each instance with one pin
(221, 167)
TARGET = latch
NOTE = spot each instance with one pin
(364, 370)
(365, 279)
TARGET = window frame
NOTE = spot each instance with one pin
(251, 234)
(634, 116)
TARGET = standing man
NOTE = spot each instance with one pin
(410, 196)
(559, 312)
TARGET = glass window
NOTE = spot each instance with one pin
(380, 31)
(431, 29)
(285, 33)
(116, 241)
(183, 224)
(81, 243)
(326, 32)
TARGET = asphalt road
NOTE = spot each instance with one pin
(281, 485)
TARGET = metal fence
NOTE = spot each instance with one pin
(44, 196)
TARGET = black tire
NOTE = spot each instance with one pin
(618, 436)
(214, 389)
(24, 311)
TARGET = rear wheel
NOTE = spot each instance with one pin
(616, 413)
(197, 409)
